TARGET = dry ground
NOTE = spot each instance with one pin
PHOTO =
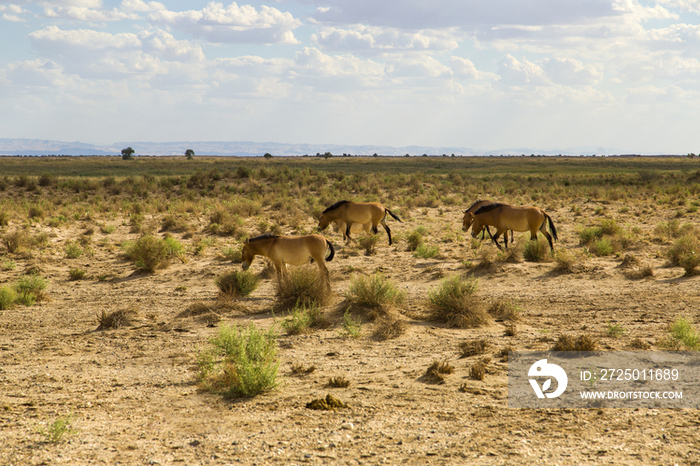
(134, 397)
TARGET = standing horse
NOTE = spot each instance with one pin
(283, 250)
(357, 212)
(506, 217)
(354, 228)
(469, 218)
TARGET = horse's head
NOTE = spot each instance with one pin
(467, 221)
(323, 222)
(247, 255)
(477, 225)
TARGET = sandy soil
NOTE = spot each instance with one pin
(134, 396)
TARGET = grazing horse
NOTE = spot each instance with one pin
(469, 218)
(283, 250)
(506, 217)
(357, 212)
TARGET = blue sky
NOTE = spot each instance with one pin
(487, 75)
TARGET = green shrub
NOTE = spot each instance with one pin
(76, 274)
(302, 318)
(31, 289)
(684, 335)
(374, 292)
(536, 251)
(369, 244)
(414, 239)
(237, 283)
(425, 251)
(242, 362)
(150, 253)
(233, 254)
(73, 250)
(685, 252)
(602, 247)
(8, 297)
(351, 327)
(453, 302)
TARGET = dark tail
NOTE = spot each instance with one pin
(332, 255)
(552, 227)
(393, 215)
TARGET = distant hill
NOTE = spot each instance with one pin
(247, 148)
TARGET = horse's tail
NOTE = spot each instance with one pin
(332, 255)
(551, 226)
(393, 215)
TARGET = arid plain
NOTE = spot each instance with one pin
(131, 394)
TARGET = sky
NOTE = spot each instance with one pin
(539, 74)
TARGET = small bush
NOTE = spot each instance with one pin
(242, 362)
(536, 251)
(565, 262)
(76, 274)
(389, 327)
(15, 241)
(73, 250)
(302, 287)
(351, 327)
(302, 318)
(8, 297)
(338, 382)
(453, 302)
(504, 310)
(414, 239)
(602, 247)
(237, 283)
(150, 253)
(369, 243)
(375, 292)
(685, 252)
(58, 429)
(425, 251)
(31, 289)
(684, 335)
(233, 254)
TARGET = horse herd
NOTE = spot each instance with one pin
(299, 250)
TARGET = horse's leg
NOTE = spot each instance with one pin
(546, 234)
(511, 236)
(388, 232)
(495, 239)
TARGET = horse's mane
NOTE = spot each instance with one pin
(488, 207)
(265, 236)
(335, 206)
(475, 203)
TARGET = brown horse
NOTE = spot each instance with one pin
(469, 218)
(283, 250)
(506, 217)
(354, 228)
(357, 212)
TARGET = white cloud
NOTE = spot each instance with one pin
(374, 40)
(420, 67)
(232, 24)
(685, 5)
(93, 54)
(517, 73)
(569, 71)
(141, 6)
(12, 13)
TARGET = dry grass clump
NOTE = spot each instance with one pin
(237, 283)
(453, 302)
(639, 344)
(513, 255)
(330, 403)
(606, 239)
(302, 287)
(15, 241)
(300, 369)
(150, 253)
(119, 318)
(685, 252)
(337, 382)
(478, 370)
(473, 348)
(369, 244)
(503, 310)
(437, 370)
(569, 343)
(566, 263)
(389, 327)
